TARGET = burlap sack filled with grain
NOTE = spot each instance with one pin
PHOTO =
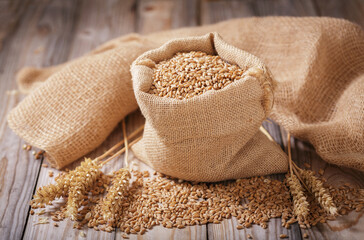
(317, 62)
(214, 136)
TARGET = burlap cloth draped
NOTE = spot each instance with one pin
(318, 63)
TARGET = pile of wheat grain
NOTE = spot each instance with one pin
(136, 205)
(190, 74)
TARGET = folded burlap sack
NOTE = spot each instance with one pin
(78, 106)
(317, 62)
(214, 136)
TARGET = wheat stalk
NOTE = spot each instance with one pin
(312, 184)
(112, 204)
(300, 204)
(321, 194)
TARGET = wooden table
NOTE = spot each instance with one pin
(44, 33)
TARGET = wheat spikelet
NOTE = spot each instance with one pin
(112, 203)
(85, 177)
(319, 191)
(300, 204)
(48, 193)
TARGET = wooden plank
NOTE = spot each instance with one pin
(166, 14)
(91, 29)
(351, 10)
(284, 8)
(10, 15)
(59, 20)
(20, 40)
(101, 21)
(215, 11)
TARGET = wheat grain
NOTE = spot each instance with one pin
(191, 74)
(162, 200)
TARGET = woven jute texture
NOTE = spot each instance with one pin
(78, 106)
(317, 62)
(214, 136)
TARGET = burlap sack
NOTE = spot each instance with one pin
(214, 136)
(317, 62)
(74, 111)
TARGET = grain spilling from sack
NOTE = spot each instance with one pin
(190, 74)
(149, 201)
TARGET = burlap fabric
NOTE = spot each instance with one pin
(214, 136)
(72, 112)
(317, 62)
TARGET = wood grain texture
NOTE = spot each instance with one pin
(154, 15)
(101, 21)
(351, 10)
(297, 8)
(20, 46)
(44, 33)
(215, 11)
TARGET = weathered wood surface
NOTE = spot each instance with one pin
(44, 33)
